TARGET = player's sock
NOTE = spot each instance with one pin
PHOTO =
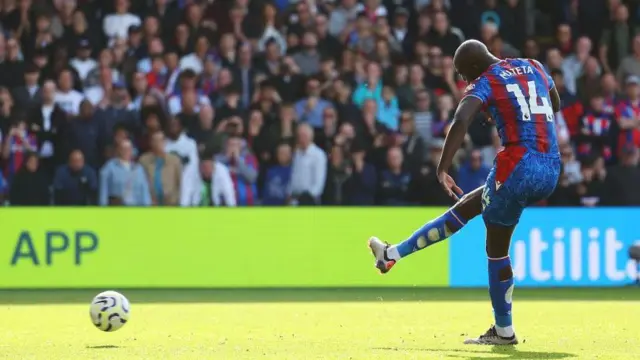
(501, 292)
(430, 233)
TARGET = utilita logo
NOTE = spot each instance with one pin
(573, 255)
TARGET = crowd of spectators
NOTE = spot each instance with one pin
(301, 102)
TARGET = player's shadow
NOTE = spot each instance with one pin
(508, 352)
(101, 347)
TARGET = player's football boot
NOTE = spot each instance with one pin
(491, 337)
(379, 250)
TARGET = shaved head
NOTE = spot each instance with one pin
(472, 58)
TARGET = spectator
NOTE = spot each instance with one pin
(393, 183)
(308, 59)
(572, 65)
(116, 25)
(441, 35)
(309, 169)
(588, 84)
(342, 18)
(16, 148)
(278, 177)
(29, 94)
(83, 63)
(371, 88)
(67, 97)
(75, 183)
(164, 172)
(622, 180)
(630, 64)
(179, 144)
(310, 109)
(423, 116)
(122, 181)
(48, 122)
(195, 60)
(596, 131)
(244, 75)
(424, 186)
(616, 39)
(590, 190)
(338, 173)
(413, 146)
(29, 186)
(243, 167)
(215, 185)
(473, 173)
(360, 187)
(628, 114)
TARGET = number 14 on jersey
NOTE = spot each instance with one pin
(532, 107)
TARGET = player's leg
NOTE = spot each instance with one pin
(447, 224)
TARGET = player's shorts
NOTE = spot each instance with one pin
(518, 179)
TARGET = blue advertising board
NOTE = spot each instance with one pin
(555, 247)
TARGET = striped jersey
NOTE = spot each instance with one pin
(515, 93)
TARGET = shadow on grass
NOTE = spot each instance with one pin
(101, 347)
(507, 352)
(66, 296)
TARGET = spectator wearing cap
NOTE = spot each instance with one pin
(164, 172)
(179, 144)
(48, 122)
(394, 181)
(67, 97)
(371, 87)
(278, 177)
(309, 169)
(360, 187)
(628, 113)
(136, 48)
(123, 181)
(311, 108)
(622, 180)
(630, 64)
(243, 167)
(472, 173)
(214, 185)
(400, 24)
(30, 93)
(83, 63)
(116, 25)
(75, 183)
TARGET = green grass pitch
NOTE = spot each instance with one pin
(363, 324)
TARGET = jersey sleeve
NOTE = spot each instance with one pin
(545, 75)
(480, 89)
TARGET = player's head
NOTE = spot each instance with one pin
(471, 59)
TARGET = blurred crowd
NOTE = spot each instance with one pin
(297, 102)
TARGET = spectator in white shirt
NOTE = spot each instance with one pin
(309, 169)
(215, 187)
(83, 63)
(117, 25)
(67, 97)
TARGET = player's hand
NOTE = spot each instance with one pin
(449, 185)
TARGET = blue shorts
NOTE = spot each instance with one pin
(518, 179)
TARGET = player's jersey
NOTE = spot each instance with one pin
(515, 93)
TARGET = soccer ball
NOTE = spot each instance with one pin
(109, 311)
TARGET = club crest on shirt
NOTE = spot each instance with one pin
(470, 87)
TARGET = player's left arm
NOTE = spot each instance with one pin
(555, 99)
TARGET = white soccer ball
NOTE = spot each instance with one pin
(109, 311)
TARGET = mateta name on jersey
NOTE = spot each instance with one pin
(520, 70)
